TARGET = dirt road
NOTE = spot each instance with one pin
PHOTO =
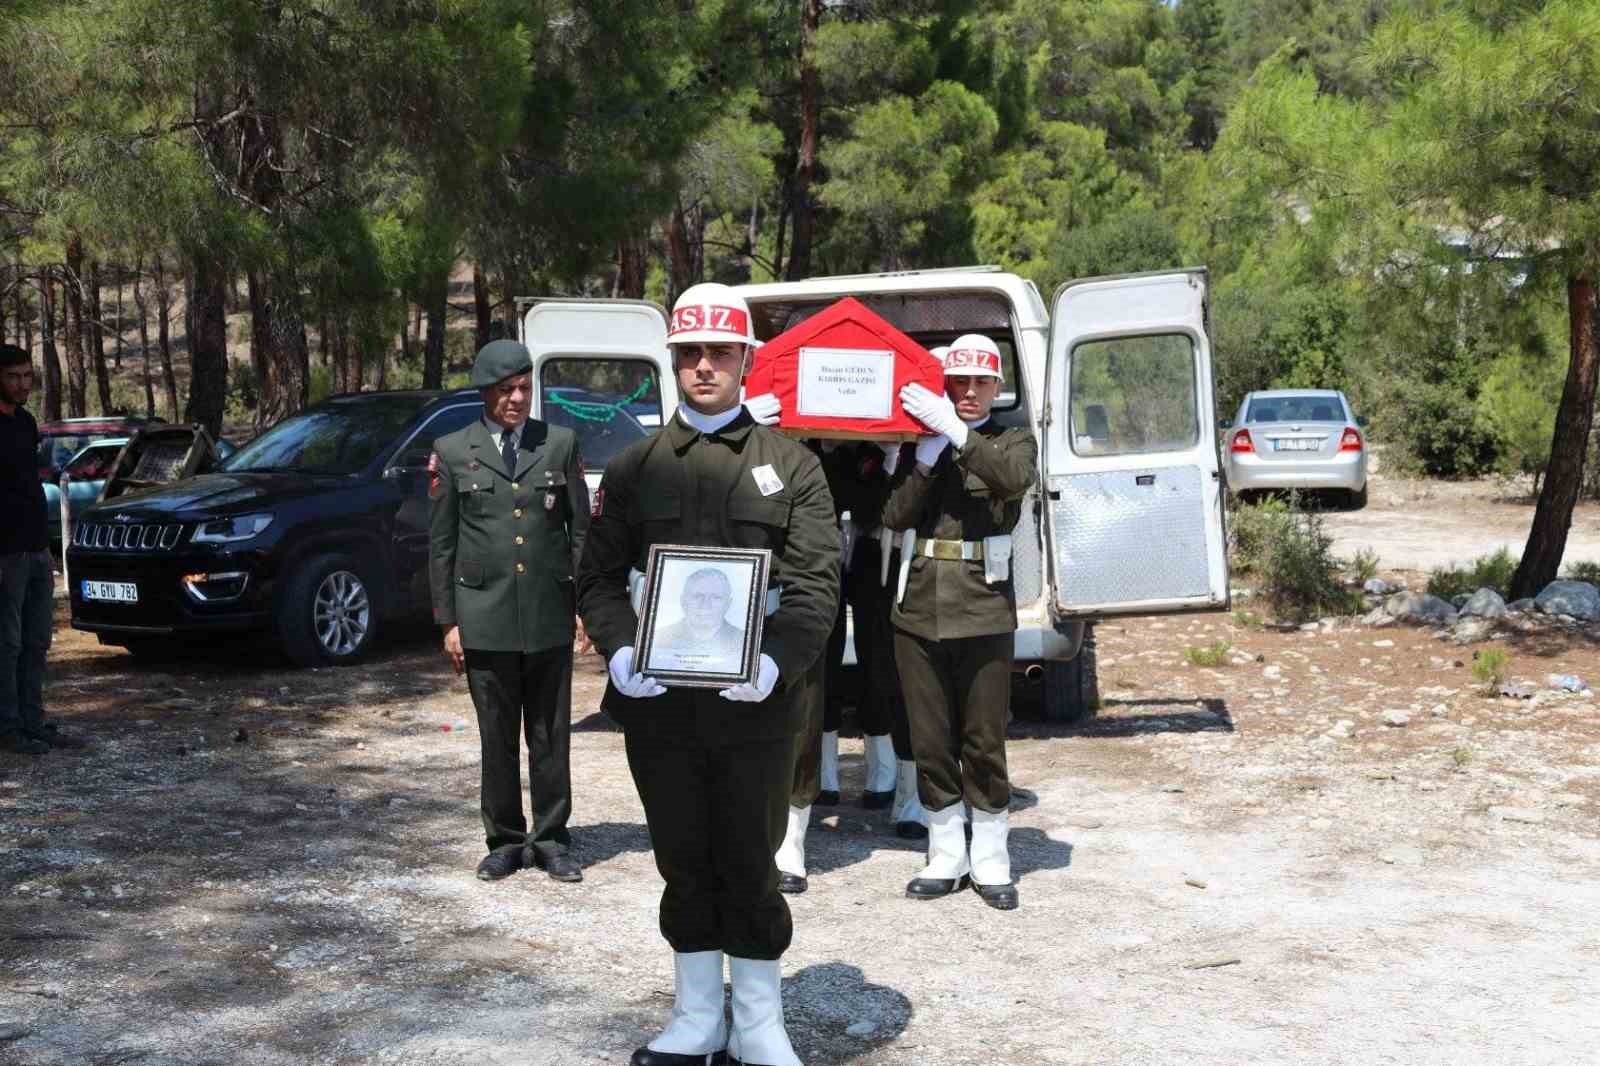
(257, 865)
(1420, 525)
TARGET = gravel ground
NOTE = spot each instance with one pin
(259, 865)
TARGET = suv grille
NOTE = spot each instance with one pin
(127, 536)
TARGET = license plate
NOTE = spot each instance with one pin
(1297, 444)
(111, 591)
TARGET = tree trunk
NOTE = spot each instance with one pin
(164, 338)
(208, 346)
(72, 291)
(686, 249)
(260, 343)
(480, 306)
(97, 339)
(47, 340)
(141, 305)
(438, 294)
(116, 275)
(632, 266)
(805, 172)
(324, 350)
(1552, 516)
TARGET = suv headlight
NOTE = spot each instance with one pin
(229, 530)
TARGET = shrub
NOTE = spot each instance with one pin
(1254, 528)
(1489, 667)
(1299, 572)
(1246, 618)
(1213, 654)
(1485, 572)
(1363, 565)
(1585, 571)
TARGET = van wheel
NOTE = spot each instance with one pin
(326, 614)
(1072, 688)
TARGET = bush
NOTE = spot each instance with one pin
(1301, 574)
(1489, 667)
(1587, 571)
(1485, 572)
(1213, 654)
(1363, 565)
(1254, 528)
(1290, 551)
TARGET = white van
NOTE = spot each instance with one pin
(1114, 379)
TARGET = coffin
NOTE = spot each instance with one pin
(838, 375)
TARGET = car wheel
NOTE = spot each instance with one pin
(327, 614)
(1357, 499)
(1072, 688)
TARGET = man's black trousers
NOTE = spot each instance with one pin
(522, 694)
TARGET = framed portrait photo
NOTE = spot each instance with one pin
(701, 615)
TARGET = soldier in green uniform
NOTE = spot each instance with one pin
(509, 513)
(713, 767)
(956, 616)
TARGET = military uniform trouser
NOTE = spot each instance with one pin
(958, 693)
(716, 815)
(27, 590)
(528, 693)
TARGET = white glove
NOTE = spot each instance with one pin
(930, 448)
(766, 681)
(891, 456)
(765, 408)
(634, 686)
(935, 411)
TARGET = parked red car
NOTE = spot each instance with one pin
(60, 441)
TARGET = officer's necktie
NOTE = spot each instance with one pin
(508, 452)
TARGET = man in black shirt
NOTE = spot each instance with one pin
(27, 586)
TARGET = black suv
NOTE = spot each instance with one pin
(313, 532)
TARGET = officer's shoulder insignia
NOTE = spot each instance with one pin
(435, 481)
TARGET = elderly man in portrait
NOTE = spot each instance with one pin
(703, 639)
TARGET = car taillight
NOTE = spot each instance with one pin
(1350, 442)
(1242, 442)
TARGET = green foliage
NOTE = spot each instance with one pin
(1247, 618)
(1518, 402)
(1587, 570)
(1290, 553)
(1253, 529)
(907, 165)
(1489, 667)
(1363, 565)
(1493, 571)
(1208, 655)
(1126, 242)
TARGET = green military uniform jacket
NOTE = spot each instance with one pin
(968, 495)
(503, 543)
(684, 487)
(855, 477)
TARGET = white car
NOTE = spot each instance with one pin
(1305, 439)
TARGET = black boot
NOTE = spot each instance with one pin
(934, 887)
(1000, 897)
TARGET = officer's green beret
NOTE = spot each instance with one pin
(499, 360)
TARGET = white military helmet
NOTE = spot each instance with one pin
(973, 355)
(710, 313)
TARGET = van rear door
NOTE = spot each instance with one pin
(1133, 489)
(601, 368)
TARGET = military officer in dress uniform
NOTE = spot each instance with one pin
(509, 512)
(956, 616)
(713, 767)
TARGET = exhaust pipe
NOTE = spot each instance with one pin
(1034, 672)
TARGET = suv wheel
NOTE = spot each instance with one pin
(327, 614)
(1072, 688)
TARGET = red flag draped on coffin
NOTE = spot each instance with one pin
(839, 374)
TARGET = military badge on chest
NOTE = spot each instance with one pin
(549, 491)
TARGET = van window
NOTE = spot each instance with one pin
(1134, 394)
(608, 403)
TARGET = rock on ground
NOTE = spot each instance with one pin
(1420, 608)
(1576, 598)
(1485, 603)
